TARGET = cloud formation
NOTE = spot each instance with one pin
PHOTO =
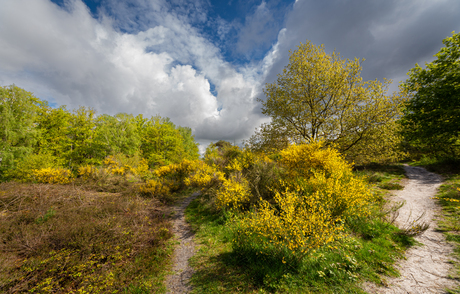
(171, 58)
(165, 69)
(392, 35)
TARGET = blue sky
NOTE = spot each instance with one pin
(203, 63)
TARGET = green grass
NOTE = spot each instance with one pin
(449, 199)
(367, 251)
(384, 176)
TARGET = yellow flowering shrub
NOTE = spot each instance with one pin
(142, 168)
(341, 194)
(53, 175)
(180, 170)
(292, 224)
(242, 160)
(154, 188)
(87, 171)
(304, 159)
(320, 193)
(311, 168)
(204, 176)
(123, 166)
(233, 193)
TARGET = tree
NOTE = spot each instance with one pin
(162, 143)
(431, 118)
(116, 134)
(321, 96)
(18, 109)
(53, 125)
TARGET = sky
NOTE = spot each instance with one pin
(203, 63)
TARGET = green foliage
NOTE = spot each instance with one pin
(18, 109)
(24, 169)
(59, 138)
(430, 122)
(116, 134)
(162, 143)
(53, 125)
(322, 97)
(287, 208)
(448, 197)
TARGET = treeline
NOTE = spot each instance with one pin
(35, 135)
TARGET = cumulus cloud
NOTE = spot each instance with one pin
(165, 68)
(154, 57)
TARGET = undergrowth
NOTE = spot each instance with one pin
(65, 239)
(367, 250)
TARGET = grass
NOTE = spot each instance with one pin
(65, 238)
(384, 176)
(367, 251)
(449, 198)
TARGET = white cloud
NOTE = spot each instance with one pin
(145, 57)
(165, 69)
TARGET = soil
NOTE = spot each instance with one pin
(427, 266)
(178, 281)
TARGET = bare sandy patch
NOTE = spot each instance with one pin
(427, 266)
(178, 281)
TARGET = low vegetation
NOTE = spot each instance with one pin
(288, 239)
(67, 239)
(449, 198)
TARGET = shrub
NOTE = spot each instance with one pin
(87, 172)
(127, 166)
(154, 188)
(304, 159)
(24, 171)
(204, 176)
(291, 226)
(53, 175)
(233, 194)
(320, 194)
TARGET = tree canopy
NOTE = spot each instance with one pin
(431, 118)
(17, 133)
(321, 96)
(33, 134)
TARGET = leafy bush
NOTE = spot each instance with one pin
(24, 170)
(287, 206)
(154, 188)
(291, 227)
(234, 193)
(53, 175)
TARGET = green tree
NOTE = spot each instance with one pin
(321, 96)
(81, 135)
(431, 118)
(116, 134)
(162, 143)
(54, 126)
(189, 143)
(18, 109)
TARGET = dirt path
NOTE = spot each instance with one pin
(426, 268)
(178, 281)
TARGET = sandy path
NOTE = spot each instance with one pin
(426, 268)
(177, 282)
